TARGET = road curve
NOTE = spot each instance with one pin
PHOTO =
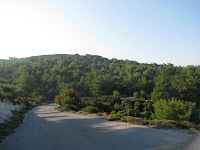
(46, 129)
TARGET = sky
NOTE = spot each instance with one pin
(156, 31)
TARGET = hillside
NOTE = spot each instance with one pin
(43, 77)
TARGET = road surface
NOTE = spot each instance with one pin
(46, 129)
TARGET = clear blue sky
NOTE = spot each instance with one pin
(148, 31)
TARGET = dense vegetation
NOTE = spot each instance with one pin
(95, 78)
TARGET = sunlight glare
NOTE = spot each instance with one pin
(30, 29)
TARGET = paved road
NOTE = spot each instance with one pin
(46, 129)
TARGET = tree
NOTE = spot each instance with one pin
(8, 91)
(173, 109)
(27, 84)
(163, 88)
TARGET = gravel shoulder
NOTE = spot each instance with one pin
(47, 129)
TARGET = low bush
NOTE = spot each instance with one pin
(113, 117)
(123, 119)
(99, 114)
(68, 107)
(59, 108)
(122, 113)
(90, 109)
(165, 126)
(186, 125)
(170, 122)
(135, 120)
(155, 121)
(68, 100)
(113, 112)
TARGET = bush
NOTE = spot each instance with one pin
(123, 119)
(122, 113)
(170, 122)
(136, 120)
(155, 121)
(68, 107)
(116, 94)
(90, 109)
(165, 126)
(113, 117)
(69, 100)
(113, 112)
(186, 125)
(99, 114)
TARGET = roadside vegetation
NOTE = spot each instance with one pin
(11, 123)
(13, 110)
(168, 114)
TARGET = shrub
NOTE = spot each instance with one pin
(118, 107)
(165, 126)
(147, 110)
(116, 94)
(99, 114)
(113, 112)
(155, 121)
(136, 120)
(170, 122)
(123, 119)
(68, 107)
(186, 125)
(122, 113)
(69, 100)
(137, 109)
(90, 109)
(113, 117)
(136, 94)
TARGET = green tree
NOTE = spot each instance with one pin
(163, 88)
(8, 91)
(173, 109)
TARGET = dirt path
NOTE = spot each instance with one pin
(46, 129)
